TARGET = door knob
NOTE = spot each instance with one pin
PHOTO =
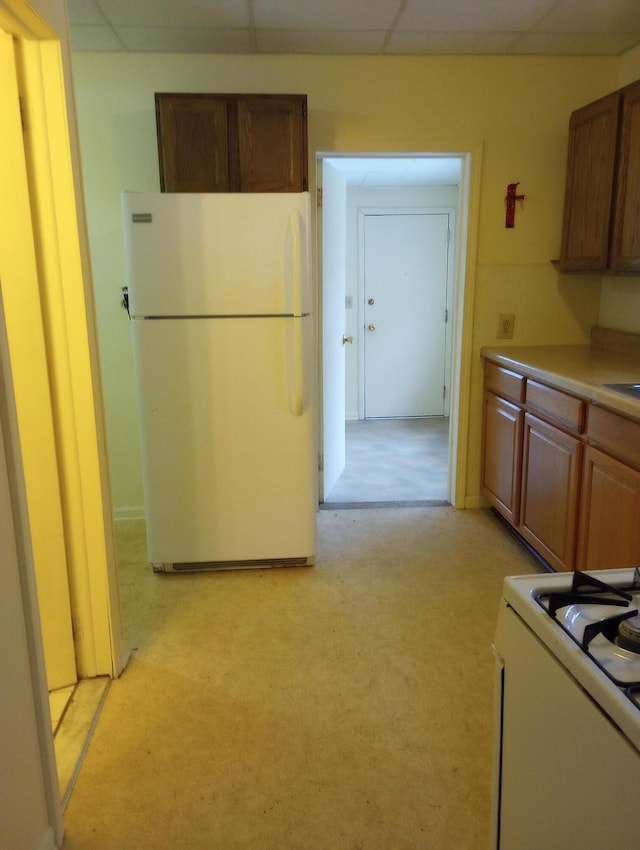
(347, 339)
(372, 327)
(371, 301)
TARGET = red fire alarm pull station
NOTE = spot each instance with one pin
(511, 204)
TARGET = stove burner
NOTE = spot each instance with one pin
(629, 634)
(589, 611)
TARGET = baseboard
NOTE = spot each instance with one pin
(131, 512)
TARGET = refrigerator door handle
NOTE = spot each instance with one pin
(295, 365)
(294, 282)
(294, 277)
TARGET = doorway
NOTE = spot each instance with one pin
(398, 352)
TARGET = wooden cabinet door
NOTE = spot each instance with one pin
(272, 143)
(232, 143)
(589, 188)
(193, 143)
(502, 455)
(625, 241)
(549, 500)
(609, 534)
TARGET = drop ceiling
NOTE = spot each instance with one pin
(407, 27)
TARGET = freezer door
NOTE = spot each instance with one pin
(228, 439)
(217, 253)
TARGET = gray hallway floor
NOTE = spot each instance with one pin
(394, 460)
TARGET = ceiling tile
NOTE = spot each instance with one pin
(595, 16)
(315, 41)
(177, 13)
(185, 40)
(384, 171)
(453, 43)
(90, 38)
(476, 16)
(573, 44)
(572, 27)
(85, 12)
(326, 15)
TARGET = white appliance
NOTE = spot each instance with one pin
(220, 301)
(567, 712)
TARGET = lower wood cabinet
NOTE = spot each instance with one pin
(564, 472)
(609, 514)
(550, 479)
(502, 455)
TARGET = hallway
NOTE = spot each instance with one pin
(394, 460)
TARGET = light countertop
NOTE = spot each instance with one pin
(579, 369)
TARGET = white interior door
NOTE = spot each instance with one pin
(334, 261)
(405, 304)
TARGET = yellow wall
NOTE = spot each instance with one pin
(517, 108)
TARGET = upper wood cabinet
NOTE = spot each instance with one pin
(625, 241)
(232, 143)
(600, 226)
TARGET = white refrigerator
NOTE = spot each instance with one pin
(220, 302)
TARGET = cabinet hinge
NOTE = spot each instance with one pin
(319, 197)
(304, 110)
(305, 184)
(444, 392)
(320, 463)
(446, 316)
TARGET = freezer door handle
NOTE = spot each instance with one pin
(295, 267)
(294, 282)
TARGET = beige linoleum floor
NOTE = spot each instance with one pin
(346, 706)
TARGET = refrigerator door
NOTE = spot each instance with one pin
(228, 439)
(217, 254)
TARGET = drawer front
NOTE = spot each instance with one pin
(504, 382)
(618, 436)
(562, 408)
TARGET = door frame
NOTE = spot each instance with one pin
(463, 296)
(39, 28)
(43, 62)
(363, 212)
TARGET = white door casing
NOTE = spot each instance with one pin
(29, 363)
(333, 216)
(460, 333)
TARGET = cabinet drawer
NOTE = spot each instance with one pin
(503, 381)
(618, 436)
(565, 409)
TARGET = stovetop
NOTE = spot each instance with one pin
(577, 616)
(603, 619)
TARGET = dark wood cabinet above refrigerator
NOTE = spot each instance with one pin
(232, 142)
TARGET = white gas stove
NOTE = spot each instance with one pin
(567, 720)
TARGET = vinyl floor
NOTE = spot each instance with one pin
(394, 460)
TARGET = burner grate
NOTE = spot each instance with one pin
(594, 637)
